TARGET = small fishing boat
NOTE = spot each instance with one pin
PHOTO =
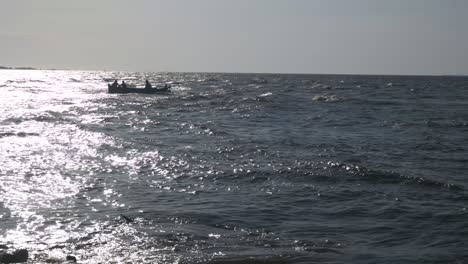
(124, 90)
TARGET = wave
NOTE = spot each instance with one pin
(25, 81)
(445, 124)
(47, 117)
(257, 80)
(326, 98)
(12, 120)
(264, 97)
(210, 80)
(326, 172)
(248, 260)
(390, 177)
(395, 85)
(320, 86)
(17, 134)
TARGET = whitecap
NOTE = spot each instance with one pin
(266, 94)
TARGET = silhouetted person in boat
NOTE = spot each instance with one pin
(123, 85)
(148, 85)
(166, 87)
(114, 84)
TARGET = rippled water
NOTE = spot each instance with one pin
(234, 168)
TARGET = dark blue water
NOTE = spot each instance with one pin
(234, 168)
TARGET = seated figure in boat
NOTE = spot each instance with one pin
(123, 85)
(166, 87)
(114, 84)
(148, 85)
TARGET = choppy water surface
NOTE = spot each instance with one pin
(234, 168)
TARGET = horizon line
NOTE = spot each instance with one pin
(228, 72)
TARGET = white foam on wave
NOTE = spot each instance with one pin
(266, 94)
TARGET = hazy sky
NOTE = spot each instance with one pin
(290, 36)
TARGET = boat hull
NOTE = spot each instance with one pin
(120, 90)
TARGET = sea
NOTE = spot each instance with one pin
(234, 168)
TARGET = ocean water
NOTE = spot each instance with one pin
(234, 168)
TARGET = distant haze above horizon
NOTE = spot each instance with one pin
(428, 37)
